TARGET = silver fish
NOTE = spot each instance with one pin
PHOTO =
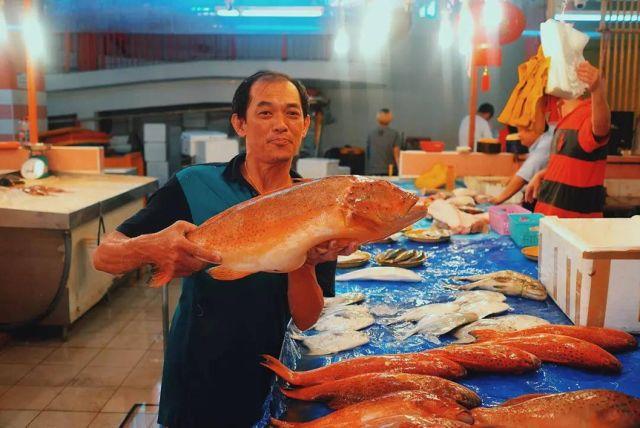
(346, 320)
(484, 308)
(477, 295)
(342, 309)
(502, 323)
(331, 342)
(433, 326)
(383, 310)
(384, 273)
(344, 299)
(419, 312)
(507, 282)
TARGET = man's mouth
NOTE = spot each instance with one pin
(280, 141)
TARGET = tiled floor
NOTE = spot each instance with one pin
(111, 360)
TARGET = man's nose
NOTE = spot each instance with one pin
(279, 124)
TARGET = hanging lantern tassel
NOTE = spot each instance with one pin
(486, 80)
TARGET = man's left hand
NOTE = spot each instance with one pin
(590, 75)
(330, 250)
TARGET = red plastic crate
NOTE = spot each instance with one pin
(499, 217)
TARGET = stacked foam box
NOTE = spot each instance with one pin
(320, 167)
(209, 146)
(162, 150)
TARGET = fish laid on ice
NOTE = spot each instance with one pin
(484, 308)
(433, 326)
(502, 323)
(412, 421)
(607, 338)
(331, 342)
(383, 310)
(273, 232)
(593, 408)
(418, 403)
(344, 299)
(463, 191)
(475, 295)
(492, 358)
(345, 320)
(456, 220)
(412, 363)
(565, 350)
(419, 312)
(384, 273)
(355, 389)
(343, 309)
(507, 282)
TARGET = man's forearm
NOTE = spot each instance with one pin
(600, 112)
(515, 184)
(120, 254)
(304, 296)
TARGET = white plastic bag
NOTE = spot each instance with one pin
(564, 45)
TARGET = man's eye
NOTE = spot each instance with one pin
(294, 113)
(264, 113)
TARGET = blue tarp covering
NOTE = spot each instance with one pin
(464, 255)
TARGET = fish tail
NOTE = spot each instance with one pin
(282, 424)
(279, 369)
(294, 393)
(159, 277)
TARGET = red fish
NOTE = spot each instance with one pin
(607, 338)
(521, 399)
(408, 421)
(492, 358)
(565, 350)
(414, 403)
(414, 363)
(589, 408)
(351, 390)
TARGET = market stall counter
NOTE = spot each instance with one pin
(463, 255)
(49, 229)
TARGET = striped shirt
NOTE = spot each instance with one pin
(573, 185)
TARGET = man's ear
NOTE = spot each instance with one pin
(239, 125)
(307, 122)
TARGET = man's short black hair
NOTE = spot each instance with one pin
(384, 110)
(241, 98)
(486, 108)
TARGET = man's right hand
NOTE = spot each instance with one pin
(173, 254)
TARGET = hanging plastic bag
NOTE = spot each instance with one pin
(564, 45)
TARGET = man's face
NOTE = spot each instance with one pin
(274, 125)
(486, 116)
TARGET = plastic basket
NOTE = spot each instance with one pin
(499, 217)
(524, 229)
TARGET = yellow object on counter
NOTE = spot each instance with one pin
(435, 177)
(525, 107)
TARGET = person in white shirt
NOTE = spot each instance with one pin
(537, 160)
(483, 129)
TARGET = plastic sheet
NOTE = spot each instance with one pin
(464, 255)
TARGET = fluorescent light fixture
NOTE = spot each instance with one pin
(492, 13)
(432, 9)
(4, 30)
(227, 12)
(341, 43)
(376, 27)
(595, 17)
(465, 29)
(445, 34)
(33, 35)
(283, 12)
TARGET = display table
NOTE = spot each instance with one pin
(48, 241)
(464, 255)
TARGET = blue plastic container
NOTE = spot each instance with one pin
(524, 229)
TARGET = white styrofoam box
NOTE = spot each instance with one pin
(492, 186)
(156, 132)
(191, 140)
(217, 150)
(591, 268)
(317, 167)
(343, 170)
(158, 169)
(155, 152)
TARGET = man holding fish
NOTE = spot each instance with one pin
(212, 375)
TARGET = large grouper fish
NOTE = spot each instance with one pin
(273, 232)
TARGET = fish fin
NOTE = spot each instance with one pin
(292, 393)
(483, 335)
(432, 338)
(521, 399)
(282, 424)
(225, 274)
(303, 311)
(159, 277)
(279, 369)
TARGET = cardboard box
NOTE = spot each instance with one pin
(591, 268)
